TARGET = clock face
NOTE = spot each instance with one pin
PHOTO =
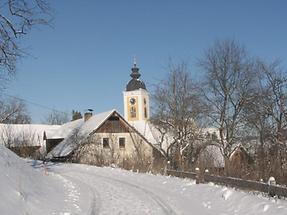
(132, 101)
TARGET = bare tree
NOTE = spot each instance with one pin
(177, 113)
(141, 159)
(17, 18)
(13, 111)
(85, 150)
(24, 142)
(267, 114)
(276, 83)
(57, 118)
(76, 115)
(228, 83)
(6, 136)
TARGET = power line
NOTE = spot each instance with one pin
(34, 103)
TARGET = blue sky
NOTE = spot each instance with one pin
(84, 61)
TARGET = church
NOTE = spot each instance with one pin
(106, 138)
(110, 138)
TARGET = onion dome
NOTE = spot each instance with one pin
(135, 83)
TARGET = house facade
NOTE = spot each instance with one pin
(116, 142)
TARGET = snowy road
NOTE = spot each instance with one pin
(93, 190)
(115, 195)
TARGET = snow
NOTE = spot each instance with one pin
(226, 193)
(117, 191)
(214, 155)
(64, 130)
(34, 133)
(82, 128)
(94, 122)
(146, 129)
(26, 188)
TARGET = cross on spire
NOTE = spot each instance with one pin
(135, 61)
(135, 70)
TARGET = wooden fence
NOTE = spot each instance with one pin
(272, 190)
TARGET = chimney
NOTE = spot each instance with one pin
(88, 114)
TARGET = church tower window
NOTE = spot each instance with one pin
(133, 112)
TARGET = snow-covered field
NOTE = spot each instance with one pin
(80, 189)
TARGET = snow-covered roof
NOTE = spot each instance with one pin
(63, 130)
(28, 134)
(81, 129)
(34, 134)
(146, 129)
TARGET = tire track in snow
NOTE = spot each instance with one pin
(95, 206)
(96, 203)
(158, 200)
(73, 194)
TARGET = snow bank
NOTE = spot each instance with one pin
(26, 190)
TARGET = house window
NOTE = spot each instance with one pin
(145, 112)
(106, 143)
(122, 142)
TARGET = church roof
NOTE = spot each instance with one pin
(135, 83)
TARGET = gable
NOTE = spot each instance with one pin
(114, 124)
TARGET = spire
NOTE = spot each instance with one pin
(135, 70)
(135, 83)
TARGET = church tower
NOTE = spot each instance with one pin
(136, 98)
